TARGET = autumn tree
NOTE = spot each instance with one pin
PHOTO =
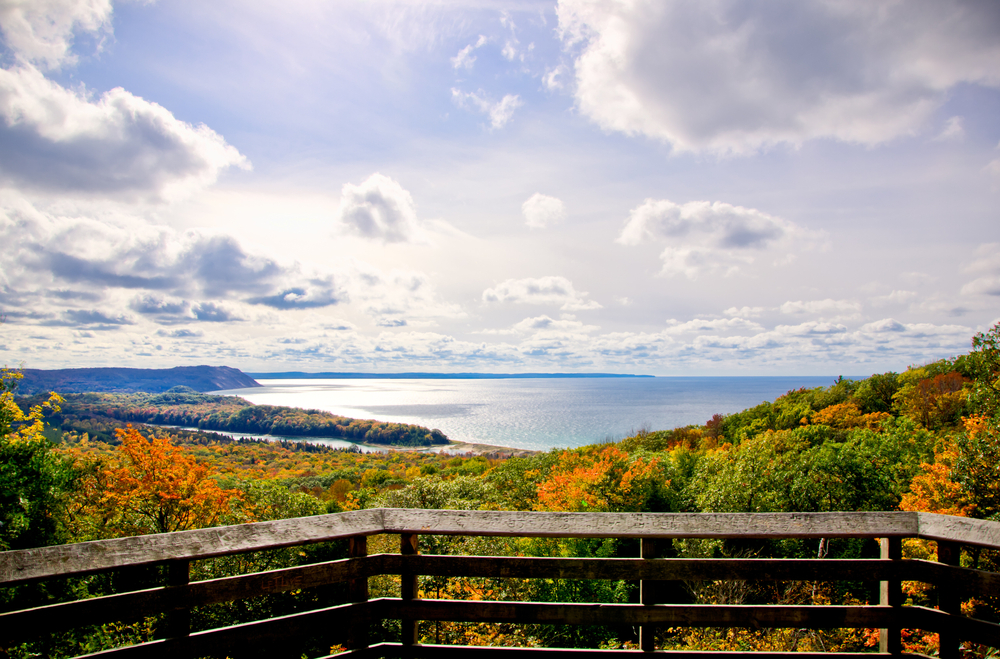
(151, 486)
(35, 482)
(603, 480)
(934, 400)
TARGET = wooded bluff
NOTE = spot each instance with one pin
(185, 407)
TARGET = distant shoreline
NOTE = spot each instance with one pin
(298, 375)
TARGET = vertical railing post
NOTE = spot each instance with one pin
(949, 599)
(178, 622)
(357, 592)
(648, 595)
(891, 594)
(408, 546)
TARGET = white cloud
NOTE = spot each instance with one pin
(465, 59)
(821, 307)
(736, 76)
(811, 328)
(553, 78)
(983, 286)
(750, 312)
(55, 139)
(60, 264)
(543, 290)
(500, 112)
(895, 297)
(41, 31)
(542, 210)
(884, 325)
(953, 130)
(550, 325)
(987, 265)
(713, 325)
(711, 237)
(379, 209)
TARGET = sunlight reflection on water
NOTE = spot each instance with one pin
(536, 413)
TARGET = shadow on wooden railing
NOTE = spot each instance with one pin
(347, 624)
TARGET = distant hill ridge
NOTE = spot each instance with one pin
(132, 380)
(299, 375)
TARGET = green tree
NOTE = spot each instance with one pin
(984, 367)
(35, 481)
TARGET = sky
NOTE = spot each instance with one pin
(663, 187)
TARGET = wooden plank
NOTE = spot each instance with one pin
(667, 569)
(23, 625)
(255, 638)
(138, 604)
(409, 545)
(648, 595)
(651, 525)
(357, 590)
(85, 557)
(28, 564)
(969, 581)
(891, 594)
(963, 530)
(689, 615)
(966, 629)
(949, 599)
(432, 651)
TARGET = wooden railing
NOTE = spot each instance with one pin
(347, 624)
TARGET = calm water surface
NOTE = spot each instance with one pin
(536, 414)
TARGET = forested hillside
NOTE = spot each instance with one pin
(125, 380)
(926, 438)
(181, 406)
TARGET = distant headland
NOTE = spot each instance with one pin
(132, 380)
(298, 375)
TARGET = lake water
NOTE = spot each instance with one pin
(536, 414)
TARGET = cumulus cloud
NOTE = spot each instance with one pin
(211, 312)
(542, 210)
(749, 312)
(711, 237)
(953, 130)
(41, 31)
(712, 325)
(542, 290)
(500, 112)
(821, 307)
(895, 297)
(152, 304)
(379, 209)
(733, 77)
(94, 317)
(882, 326)
(155, 271)
(317, 293)
(987, 266)
(465, 59)
(552, 325)
(61, 140)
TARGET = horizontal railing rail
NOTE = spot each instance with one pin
(347, 622)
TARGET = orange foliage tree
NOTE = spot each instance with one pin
(605, 480)
(151, 486)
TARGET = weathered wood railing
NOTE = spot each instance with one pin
(347, 623)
